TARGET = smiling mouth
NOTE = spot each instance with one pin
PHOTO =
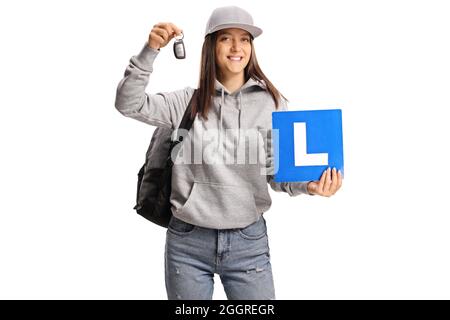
(237, 59)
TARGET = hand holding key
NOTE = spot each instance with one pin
(162, 33)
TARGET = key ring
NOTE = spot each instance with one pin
(182, 37)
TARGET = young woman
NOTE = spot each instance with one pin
(217, 224)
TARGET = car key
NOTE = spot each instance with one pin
(178, 48)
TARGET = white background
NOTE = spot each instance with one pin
(69, 160)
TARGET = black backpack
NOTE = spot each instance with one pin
(154, 178)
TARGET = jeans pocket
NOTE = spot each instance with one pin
(254, 231)
(179, 227)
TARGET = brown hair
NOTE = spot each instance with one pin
(208, 73)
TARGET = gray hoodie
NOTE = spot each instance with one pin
(221, 175)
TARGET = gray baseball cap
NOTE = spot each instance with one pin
(231, 17)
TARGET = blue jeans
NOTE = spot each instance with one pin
(240, 256)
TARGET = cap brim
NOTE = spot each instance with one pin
(254, 31)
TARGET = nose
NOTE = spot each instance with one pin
(235, 45)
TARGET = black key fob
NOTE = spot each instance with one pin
(178, 48)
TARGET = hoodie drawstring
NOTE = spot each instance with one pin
(239, 117)
(219, 140)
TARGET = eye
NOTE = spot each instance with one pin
(246, 39)
(224, 38)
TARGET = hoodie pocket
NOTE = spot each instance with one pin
(230, 203)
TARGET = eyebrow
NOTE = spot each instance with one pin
(229, 34)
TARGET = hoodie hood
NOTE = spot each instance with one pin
(250, 85)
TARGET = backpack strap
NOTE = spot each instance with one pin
(186, 123)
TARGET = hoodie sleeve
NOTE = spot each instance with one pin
(291, 188)
(161, 109)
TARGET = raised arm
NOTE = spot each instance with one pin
(161, 109)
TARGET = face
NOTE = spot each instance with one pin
(233, 51)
